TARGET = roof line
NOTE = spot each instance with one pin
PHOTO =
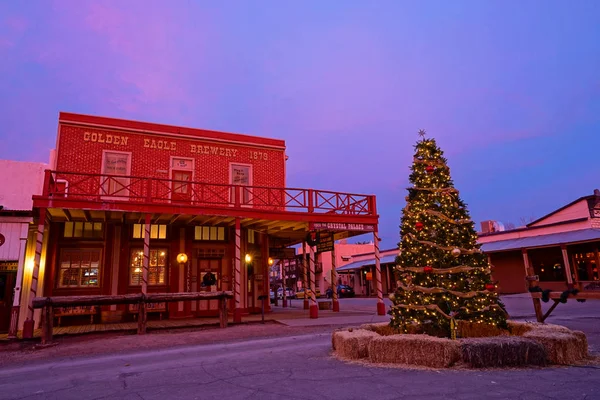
(528, 228)
(560, 209)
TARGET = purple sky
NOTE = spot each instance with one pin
(511, 90)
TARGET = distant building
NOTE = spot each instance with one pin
(19, 181)
(561, 247)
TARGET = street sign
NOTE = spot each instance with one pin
(325, 243)
(341, 226)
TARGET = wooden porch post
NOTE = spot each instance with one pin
(142, 315)
(237, 311)
(380, 304)
(29, 323)
(16, 308)
(305, 274)
(529, 273)
(334, 278)
(568, 271)
(314, 308)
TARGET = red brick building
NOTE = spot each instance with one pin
(125, 198)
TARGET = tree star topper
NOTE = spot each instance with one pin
(422, 133)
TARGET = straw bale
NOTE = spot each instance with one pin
(518, 328)
(502, 351)
(352, 344)
(421, 350)
(468, 329)
(381, 328)
(561, 347)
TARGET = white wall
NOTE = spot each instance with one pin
(18, 182)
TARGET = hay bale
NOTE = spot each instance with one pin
(421, 350)
(561, 347)
(517, 328)
(353, 344)
(468, 329)
(502, 351)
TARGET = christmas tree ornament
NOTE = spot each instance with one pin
(428, 269)
(490, 287)
(430, 169)
(456, 252)
(419, 226)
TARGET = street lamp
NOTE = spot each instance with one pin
(248, 258)
(182, 259)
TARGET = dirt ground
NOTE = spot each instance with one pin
(120, 342)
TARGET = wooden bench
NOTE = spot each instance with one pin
(159, 308)
(76, 311)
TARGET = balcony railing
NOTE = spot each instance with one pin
(143, 190)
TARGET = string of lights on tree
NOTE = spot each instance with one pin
(442, 274)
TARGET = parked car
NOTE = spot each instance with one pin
(345, 291)
(289, 293)
(300, 293)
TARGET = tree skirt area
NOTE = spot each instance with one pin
(479, 346)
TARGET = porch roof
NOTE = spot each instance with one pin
(364, 263)
(552, 239)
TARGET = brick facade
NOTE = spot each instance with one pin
(80, 149)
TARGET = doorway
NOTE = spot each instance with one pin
(7, 286)
(182, 170)
(206, 277)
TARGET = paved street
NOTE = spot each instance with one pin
(299, 366)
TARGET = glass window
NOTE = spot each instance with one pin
(242, 175)
(115, 164)
(156, 231)
(88, 230)
(79, 268)
(157, 267)
(548, 264)
(214, 233)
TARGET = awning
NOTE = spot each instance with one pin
(552, 239)
(364, 263)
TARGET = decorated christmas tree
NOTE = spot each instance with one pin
(442, 274)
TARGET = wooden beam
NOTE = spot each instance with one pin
(87, 216)
(68, 214)
(580, 295)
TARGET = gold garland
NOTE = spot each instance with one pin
(442, 190)
(431, 162)
(447, 248)
(435, 307)
(448, 219)
(422, 289)
(452, 270)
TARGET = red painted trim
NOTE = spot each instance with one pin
(81, 119)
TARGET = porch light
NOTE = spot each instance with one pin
(182, 258)
(270, 261)
(248, 258)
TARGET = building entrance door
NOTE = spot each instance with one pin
(206, 277)
(7, 285)
(181, 174)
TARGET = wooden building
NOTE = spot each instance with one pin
(557, 252)
(133, 207)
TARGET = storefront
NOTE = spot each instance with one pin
(560, 249)
(133, 207)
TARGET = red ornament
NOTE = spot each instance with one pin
(428, 269)
(490, 287)
(419, 226)
(430, 169)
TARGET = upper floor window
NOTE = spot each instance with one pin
(88, 230)
(118, 165)
(156, 231)
(241, 174)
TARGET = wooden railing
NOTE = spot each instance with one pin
(47, 304)
(144, 190)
